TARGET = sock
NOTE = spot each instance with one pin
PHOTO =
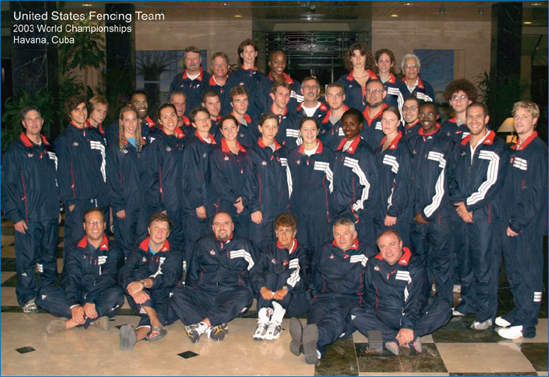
(264, 315)
(278, 314)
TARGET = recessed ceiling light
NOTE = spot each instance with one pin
(86, 5)
(527, 22)
(238, 16)
(536, 4)
(408, 4)
(394, 15)
(224, 4)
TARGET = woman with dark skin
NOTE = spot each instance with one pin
(355, 177)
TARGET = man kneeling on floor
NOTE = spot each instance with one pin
(218, 285)
(397, 291)
(152, 268)
(89, 294)
(337, 280)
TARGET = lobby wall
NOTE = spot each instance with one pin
(469, 40)
(215, 35)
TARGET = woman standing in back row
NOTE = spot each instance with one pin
(359, 61)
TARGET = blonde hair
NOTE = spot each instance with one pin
(121, 137)
(529, 106)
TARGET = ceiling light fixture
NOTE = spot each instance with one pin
(536, 4)
(408, 4)
(527, 22)
(394, 15)
(86, 5)
(238, 16)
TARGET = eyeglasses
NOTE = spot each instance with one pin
(462, 97)
(336, 95)
(424, 115)
(94, 223)
(376, 91)
(311, 87)
(410, 66)
(411, 108)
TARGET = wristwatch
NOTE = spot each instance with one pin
(142, 283)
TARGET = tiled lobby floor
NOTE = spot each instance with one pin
(452, 350)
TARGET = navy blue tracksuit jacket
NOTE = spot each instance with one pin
(126, 176)
(225, 184)
(91, 277)
(267, 189)
(193, 89)
(30, 194)
(355, 188)
(279, 267)
(524, 196)
(423, 91)
(165, 181)
(337, 285)
(355, 94)
(478, 181)
(372, 132)
(195, 170)
(258, 86)
(331, 134)
(164, 268)
(82, 175)
(432, 158)
(312, 190)
(395, 186)
(218, 283)
(396, 298)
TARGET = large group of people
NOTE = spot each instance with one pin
(351, 208)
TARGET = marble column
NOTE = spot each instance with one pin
(505, 88)
(120, 57)
(33, 56)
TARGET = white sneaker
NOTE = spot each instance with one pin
(260, 331)
(481, 325)
(502, 322)
(513, 332)
(273, 331)
(457, 313)
(30, 307)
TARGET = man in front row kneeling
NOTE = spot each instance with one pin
(152, 268)
(89, 294)
(397, 291)
(337, 281)
(218, 286)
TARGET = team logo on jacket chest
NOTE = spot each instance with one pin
(226, 158)
(205, 155)
(75, 143)
(273, 261)
(376, 268)
(168, 149)
(264, 163)
(30, 155)
(332, 256)
(212, 252)
(144, 259)
(298, 162)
